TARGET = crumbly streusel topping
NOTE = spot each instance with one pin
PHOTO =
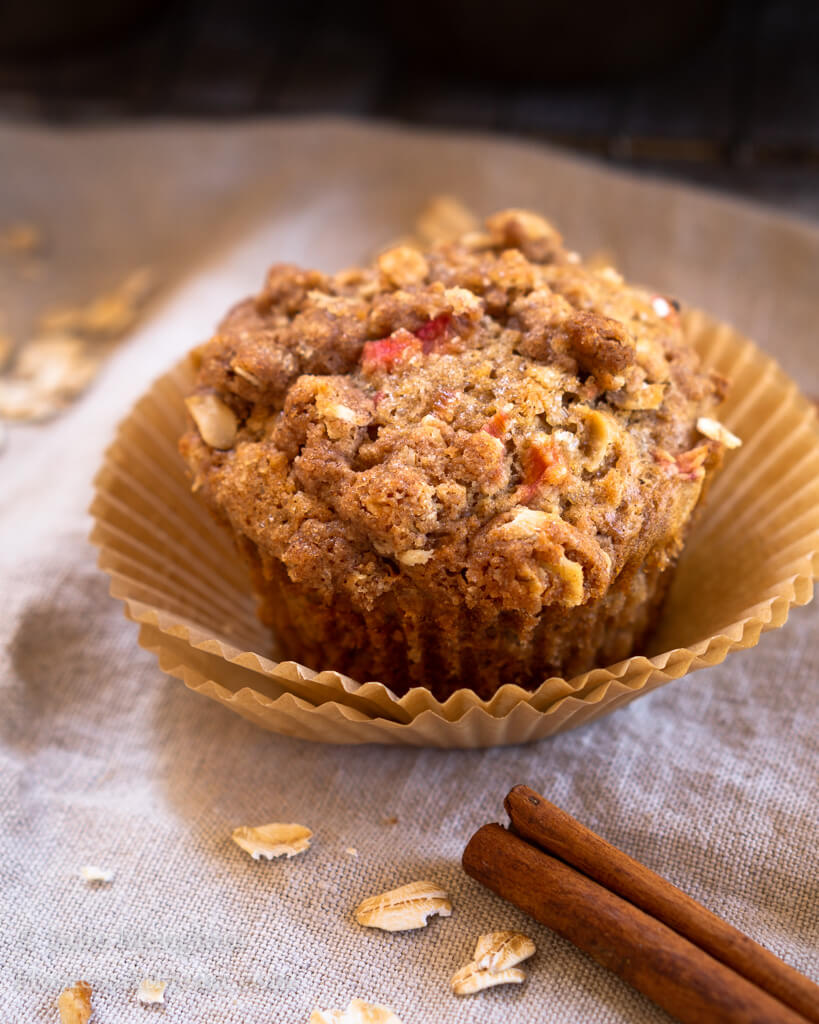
(491, 419)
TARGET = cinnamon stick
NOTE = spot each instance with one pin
(670, 970)
(537, 820)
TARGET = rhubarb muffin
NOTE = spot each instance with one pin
(465, 467)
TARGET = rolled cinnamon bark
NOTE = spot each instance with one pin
(670, 970)
(540, 822)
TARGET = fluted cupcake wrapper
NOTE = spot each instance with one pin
(752, 555)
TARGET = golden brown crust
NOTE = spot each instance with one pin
(489, 429)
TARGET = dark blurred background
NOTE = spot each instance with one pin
(721, 92)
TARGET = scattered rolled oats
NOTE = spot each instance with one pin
(714, 430)
(274, 840)
(471, 978)
(65, 319)
(151, 991)
(214, 420)
(351, 851)
(497, 951)
(94, 874)
(358, 1012)
(20, 401)
(109, 315)
(55, 367)
(326, 1016)
(46, 375)
(57, 364)
(74, 1003)
(404, 908)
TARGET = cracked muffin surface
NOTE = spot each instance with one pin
(463, 467)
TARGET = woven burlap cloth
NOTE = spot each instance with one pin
(713, 781)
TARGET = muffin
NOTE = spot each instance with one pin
(460, 468)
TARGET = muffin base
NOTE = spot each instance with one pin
(450, 647)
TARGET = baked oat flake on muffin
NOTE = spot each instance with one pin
(462, 468)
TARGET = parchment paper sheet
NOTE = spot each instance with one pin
(712, 781)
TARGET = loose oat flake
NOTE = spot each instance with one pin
(715, 431)
(274, 840)
(497, 951)
(47, 374)
(21, 400)
(94, 874)
(109, 315)
(151, 991)
(74, 1003)
(404, 908)
(55, 367)
(358, 1012)
(471, 979)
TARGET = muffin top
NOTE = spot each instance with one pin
(491, 421)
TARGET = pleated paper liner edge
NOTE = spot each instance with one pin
(156, 422)
(288, 714)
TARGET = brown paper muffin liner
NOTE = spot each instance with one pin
(752, 554)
